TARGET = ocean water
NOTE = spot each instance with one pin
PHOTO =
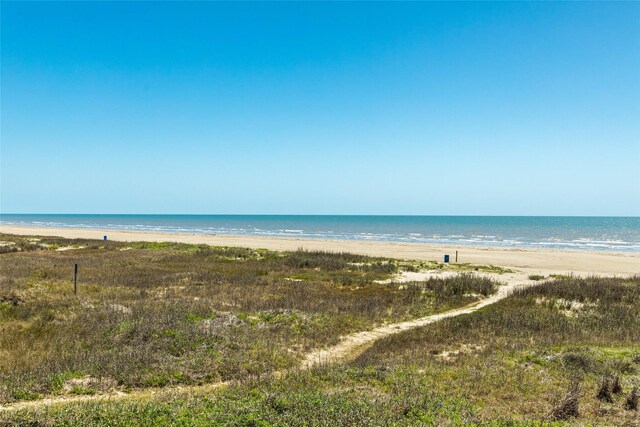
(584, 233)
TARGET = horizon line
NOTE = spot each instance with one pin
(347, 215)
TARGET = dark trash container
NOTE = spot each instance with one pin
(446, 258)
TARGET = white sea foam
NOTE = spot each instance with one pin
(565, 235)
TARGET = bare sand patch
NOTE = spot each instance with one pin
(569, 308)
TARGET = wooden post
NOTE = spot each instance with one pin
(456, 257)
(75, 280)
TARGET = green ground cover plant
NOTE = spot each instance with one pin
(565, 352)
(517, 359)
(159, 314)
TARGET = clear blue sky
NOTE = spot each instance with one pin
(312, 108)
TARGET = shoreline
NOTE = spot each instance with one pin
(532, 261)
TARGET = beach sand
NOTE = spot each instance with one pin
(530, 261)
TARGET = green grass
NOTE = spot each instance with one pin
(338, 396)
(363, 398)
(515, 359)
(159, 314)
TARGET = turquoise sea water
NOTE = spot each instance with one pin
(585, 233)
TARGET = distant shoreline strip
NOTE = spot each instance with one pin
(582, 244)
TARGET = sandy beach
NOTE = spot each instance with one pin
(533, 261)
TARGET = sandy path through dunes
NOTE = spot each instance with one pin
(523, 261)
(353, 345)
(140, 395)
(348, 348)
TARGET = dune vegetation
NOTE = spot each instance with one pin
(149, 314)
(161, 321)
